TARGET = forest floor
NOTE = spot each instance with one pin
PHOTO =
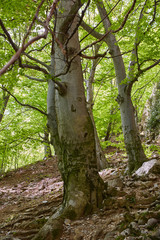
(131, 210)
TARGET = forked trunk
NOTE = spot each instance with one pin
(71, 129)
(77, 154)
(76, 143)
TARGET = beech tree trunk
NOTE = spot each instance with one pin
(152, 121)
(101, 160)
(77, 153)
(71, 128)
(3, 103)
(132, 140)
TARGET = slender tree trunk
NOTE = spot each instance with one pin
(109, 127)
(47, 148)
(101, 160)
(71, 129)
(152, 122)
(132, 141)
(3, 104)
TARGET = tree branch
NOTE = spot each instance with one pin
(34, 67)
(22, 104)
(36, 60)
(150, 67)
(126, 17)
(35, 79)
(93, 57)
(78, 24)
(31, 41)
(90, 30)
(39, 50)
(32, 23)
(15, 47)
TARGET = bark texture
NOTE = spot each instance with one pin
(71, 129)
(77, 155)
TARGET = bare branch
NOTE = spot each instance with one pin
(93, 30)
(94, 57)
(35, 79)
(150, 67)
(22, 104)
(39, 50)
(32, 23)
(15, 47)
(31, 41)
(90, 31)
(2, 35)
(126, 17)
(34, 67)
(36, 60)
(140, 88)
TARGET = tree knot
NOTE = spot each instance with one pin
(119, 99)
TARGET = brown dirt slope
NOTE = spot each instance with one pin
(30, 195)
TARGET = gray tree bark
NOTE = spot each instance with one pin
(101, 160)
(71, 128)
(132, 140)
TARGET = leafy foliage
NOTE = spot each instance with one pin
(21, 128)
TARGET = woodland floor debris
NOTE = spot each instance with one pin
(131, 209)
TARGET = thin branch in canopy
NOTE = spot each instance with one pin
(32, 40)
(22, 104)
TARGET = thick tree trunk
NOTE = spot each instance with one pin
(77, 158)
(71, 130)
(132, 141)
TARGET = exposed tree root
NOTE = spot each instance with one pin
(53, 229)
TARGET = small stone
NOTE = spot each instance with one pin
(67, 222)
(152, 222)
(126, 232)
(134, 228)
(109, 236)
(144, 231)
(133, 225)
(156, 185)
(116, 182)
